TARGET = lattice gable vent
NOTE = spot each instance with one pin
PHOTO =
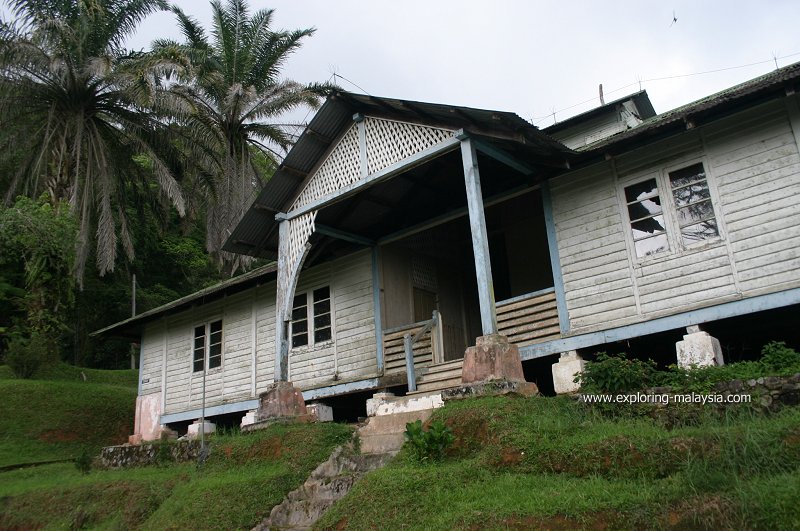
(387, 142)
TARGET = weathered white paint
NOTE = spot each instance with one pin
(248, 328)
(564, 372)
(753, 170)
(593, 130)
(698, 349)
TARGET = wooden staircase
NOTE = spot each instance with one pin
(439, 376)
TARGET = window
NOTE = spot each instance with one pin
(687, 208)
(207, 346)
(311, 317)
(692, 198)
(647, 218)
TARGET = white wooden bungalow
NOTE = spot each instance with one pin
(392, 218)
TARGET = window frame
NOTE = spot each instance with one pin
(207, 346)
(676, 243)
(310, 318)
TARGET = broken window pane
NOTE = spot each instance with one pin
(640, 191)
(652, 245)
(648, 227)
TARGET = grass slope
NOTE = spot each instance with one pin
(244, 477)
(549, 463)
(67, 372)
(47, 420)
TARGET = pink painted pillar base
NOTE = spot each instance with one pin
(281, 400)
(492, 358)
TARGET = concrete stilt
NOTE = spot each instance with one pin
(569, 365)
(698, 349)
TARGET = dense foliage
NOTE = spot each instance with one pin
(228, 95)
(618, 374)
(105, 151)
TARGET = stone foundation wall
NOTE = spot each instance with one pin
(148, 454)
(770, 392)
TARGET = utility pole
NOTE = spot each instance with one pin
(133, 314)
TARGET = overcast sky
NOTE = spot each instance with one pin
(528, 57)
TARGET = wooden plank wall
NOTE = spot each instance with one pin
(351, 356)
(600, 127)
(594, 261)
(755, 158)
(754, 170)
(527, 320)
(152, 354)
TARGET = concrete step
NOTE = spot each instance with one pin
(384, 433)
(437, 385)
(447, 365)
(440, 375)
(329, 482)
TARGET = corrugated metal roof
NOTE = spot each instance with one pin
(641, 99)
(256, 233)
(130, 326)
(750, 92)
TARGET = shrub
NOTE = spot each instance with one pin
(84, 462)
(26, 356)
(429, 444)
(776, 356)
(616, 374)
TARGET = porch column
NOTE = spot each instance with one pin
(480, 241)
(290, 261)
(281, 317)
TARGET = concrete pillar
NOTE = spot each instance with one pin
(492, 358)
(569, 365)
(698, 349)
(250, 417)
(281, 400)
(320, 412)
(194, 428)
(376, 401)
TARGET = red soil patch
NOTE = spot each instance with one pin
(58, 436)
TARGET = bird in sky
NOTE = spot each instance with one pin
(674, 19)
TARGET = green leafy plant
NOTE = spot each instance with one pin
(616, 374)
(84, 462)
(776, 356)
(430, 444)
(26, 356)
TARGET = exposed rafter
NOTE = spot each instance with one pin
(343, 235)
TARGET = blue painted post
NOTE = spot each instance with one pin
(281, 318)
(376, 304)
(555, 259)
(410, 374)
(480, 240)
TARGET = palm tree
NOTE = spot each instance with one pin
(74, 103)
(230, 102)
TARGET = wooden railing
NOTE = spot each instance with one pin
(529, 318)
(412, 347)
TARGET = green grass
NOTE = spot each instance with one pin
(552, 463)
(66, 372)
(244, 477)
(48, 420)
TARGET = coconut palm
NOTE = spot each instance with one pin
(231, 101)
(74, 103)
